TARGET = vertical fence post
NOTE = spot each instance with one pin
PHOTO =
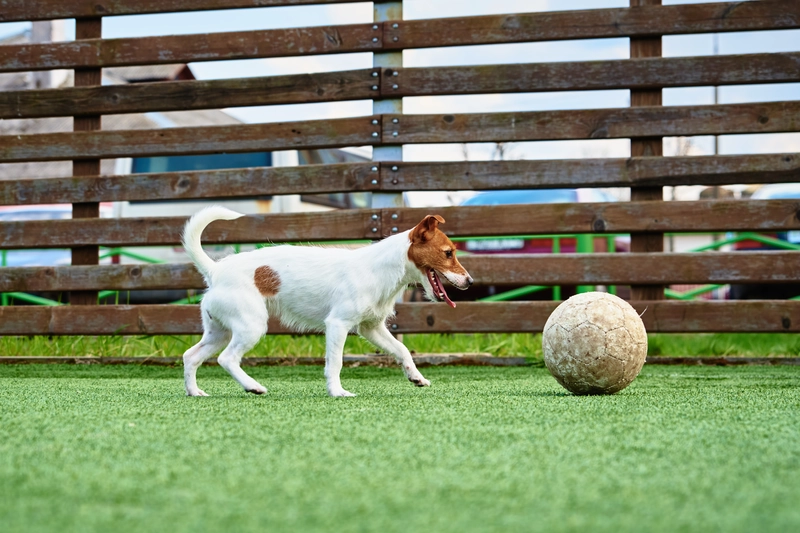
(646, 146)
(3, 262)
(584, 244)
(556, 251)
(383, 13)
(88, 28)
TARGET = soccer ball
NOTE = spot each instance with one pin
(594, 343)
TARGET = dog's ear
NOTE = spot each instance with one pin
(423, 231)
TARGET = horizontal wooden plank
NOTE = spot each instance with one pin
(111, 277)
(229, 183)
(390, 128)
(200, 140)
(468, 317)
(614, 217)
(646, 73)
(285, 227)
(650, 121)
(492, 29)
(360, 84)
(285, 42)
(189, 95)
(757, 316)
(634, 268)
(407, 176)
(12, 10)
(225, 46)
(463, 221)
(506, 269)
(603, 172)
(593, 24)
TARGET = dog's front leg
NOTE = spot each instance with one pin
(335, 337)
(381, 338)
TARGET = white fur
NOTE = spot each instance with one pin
(329, 290)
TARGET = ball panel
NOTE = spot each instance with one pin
(605, 313)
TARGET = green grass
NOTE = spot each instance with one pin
(88, 448)
(520, 344)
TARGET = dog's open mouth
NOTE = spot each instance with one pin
(438, 289)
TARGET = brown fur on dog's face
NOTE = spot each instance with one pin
(431, 250)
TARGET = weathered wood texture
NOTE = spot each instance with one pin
(231, 183)
(468, 317)
(464, 221)
(493, 29)
(189, 95)
(111, 277)
(605, 172)
(566, 269)
(294, 227)
(191, 48)
(593, 24)
(11, 10)
(201, 140)
(651, 145)
(616, 217)
(595, 75)
(408, 176)
(652, 121)
(634, 268)
(658, 316)
(86, 28)
(359, 84)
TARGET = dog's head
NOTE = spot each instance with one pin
(434, 255)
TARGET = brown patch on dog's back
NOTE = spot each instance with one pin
(267, 281)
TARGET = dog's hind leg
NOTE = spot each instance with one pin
(246, 332)
(335, 337)
(378, 335)
(214, 339)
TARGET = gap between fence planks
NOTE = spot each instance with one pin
(505, 269)
(409, 34)
(407, 176)
(760, 316)
(652, 121)
(462, 221)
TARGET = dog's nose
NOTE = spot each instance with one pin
(469, 281)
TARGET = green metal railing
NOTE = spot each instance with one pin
(584, 244)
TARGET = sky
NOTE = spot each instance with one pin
(673, 46)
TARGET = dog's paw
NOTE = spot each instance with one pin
(419, 381)
(259, 389)
(340, 393)
(196, 392)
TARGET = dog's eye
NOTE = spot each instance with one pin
(448, 253)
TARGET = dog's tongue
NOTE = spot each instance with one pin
(438, 288)
(447, 299)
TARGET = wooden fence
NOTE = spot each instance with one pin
(647, 269)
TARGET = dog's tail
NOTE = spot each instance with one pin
(191, 236)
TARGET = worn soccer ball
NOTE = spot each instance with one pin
(594, 343)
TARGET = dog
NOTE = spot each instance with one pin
(330, 290)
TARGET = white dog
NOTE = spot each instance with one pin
(314, 289)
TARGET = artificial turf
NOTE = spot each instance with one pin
(97, 448)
